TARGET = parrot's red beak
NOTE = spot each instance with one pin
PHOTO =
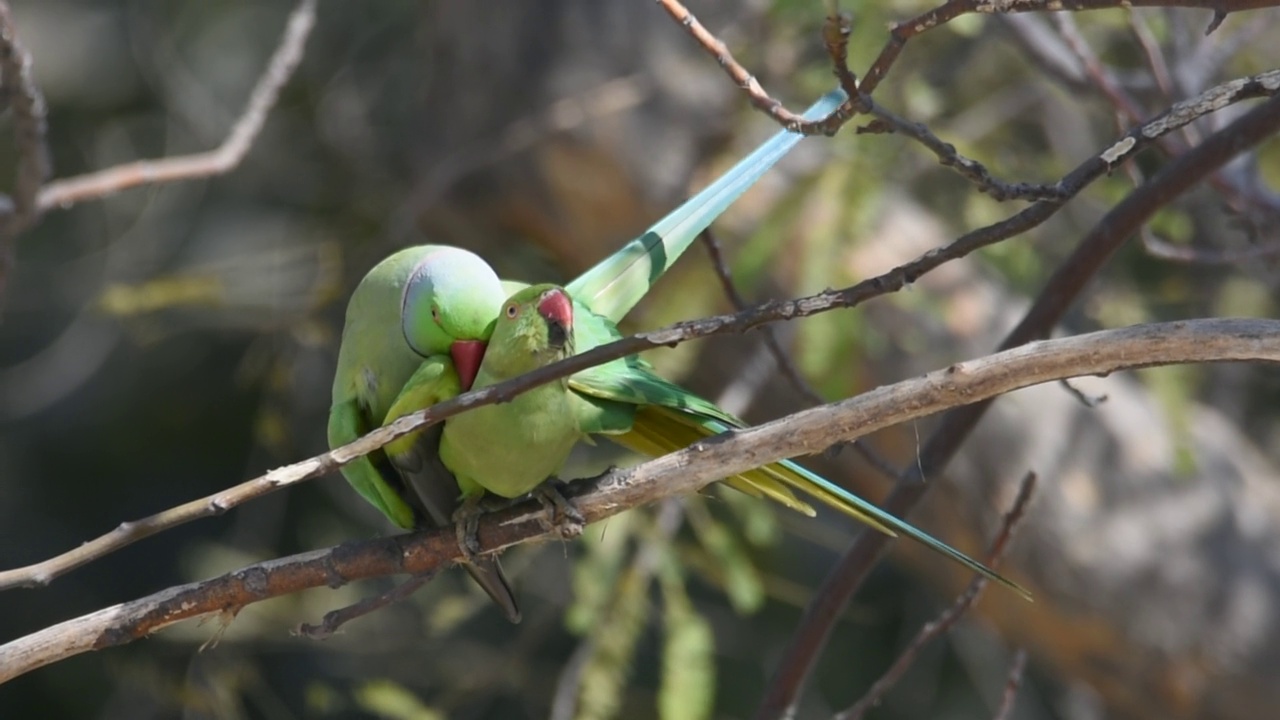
(554, 306)
(467, 355)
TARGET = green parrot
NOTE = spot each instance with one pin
(623, 399)
(379, 377)
(509, 449)
(462, 296)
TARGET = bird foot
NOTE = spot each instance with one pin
(560, 514)
(466, 523)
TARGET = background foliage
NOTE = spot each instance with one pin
(172, 340)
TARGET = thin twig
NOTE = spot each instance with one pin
(1166, 250)
(1089, 401)
(836, 34)
(949, 617)
(682, 472)
(1121, 223)
(225, 157)
(20, 93)
(756, 94)
(335, 619)
(1011, 685)
(789, 370)
(1105, 81)
(1151, 49)
(835, 37)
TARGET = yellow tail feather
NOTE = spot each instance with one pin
(658, 431)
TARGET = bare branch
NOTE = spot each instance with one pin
(1099, 353)
(1011, 685)
(949, 617)
(789, 369)
(1122, 222)
(96, 185)
(899, 35)
(1166, 250)
(335, 619)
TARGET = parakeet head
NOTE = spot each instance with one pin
(534, 328)
(449, 304)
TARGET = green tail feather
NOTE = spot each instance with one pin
(836, 496)
(617, 283)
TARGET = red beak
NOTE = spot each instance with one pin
(555, 306)
(467, 355)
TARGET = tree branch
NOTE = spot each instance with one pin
(808, 431)
(96, 185)
(1121, 223)
(899, 35)
(949, 617)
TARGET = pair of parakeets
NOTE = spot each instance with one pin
(432, 321)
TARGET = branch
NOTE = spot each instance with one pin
(949, 617)
(1121, 223)
(788, 368)
(225, 157)
(1011, 684)
(686, 471)
(899, 35)
(335, 619)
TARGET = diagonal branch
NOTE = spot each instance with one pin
(1098, 353)
(952, 615)
(899, 34)
(1122, 222)
(92, 186)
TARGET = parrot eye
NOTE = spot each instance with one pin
(435, 314)
(511, 311)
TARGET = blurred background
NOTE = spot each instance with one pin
(171, 341)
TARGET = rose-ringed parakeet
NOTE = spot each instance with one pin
(625, 399)
(511, 448)
(379, 380)
(461, 295)
(500, 448)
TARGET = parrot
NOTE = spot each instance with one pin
(624, 399)
(384, 373)
(510, 449)
(408, 484)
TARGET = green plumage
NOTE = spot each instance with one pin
(509, 449)
(379, 377)
(628, 402)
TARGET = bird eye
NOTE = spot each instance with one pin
(435, 314)
(511, 311)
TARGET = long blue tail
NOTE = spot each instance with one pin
(617, 283)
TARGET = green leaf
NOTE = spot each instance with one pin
(394, 701)
(737, 573)
(613, 640)
(594, 576)
(688, 686)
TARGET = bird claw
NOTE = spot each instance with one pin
(560, 515)
(466, 521)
